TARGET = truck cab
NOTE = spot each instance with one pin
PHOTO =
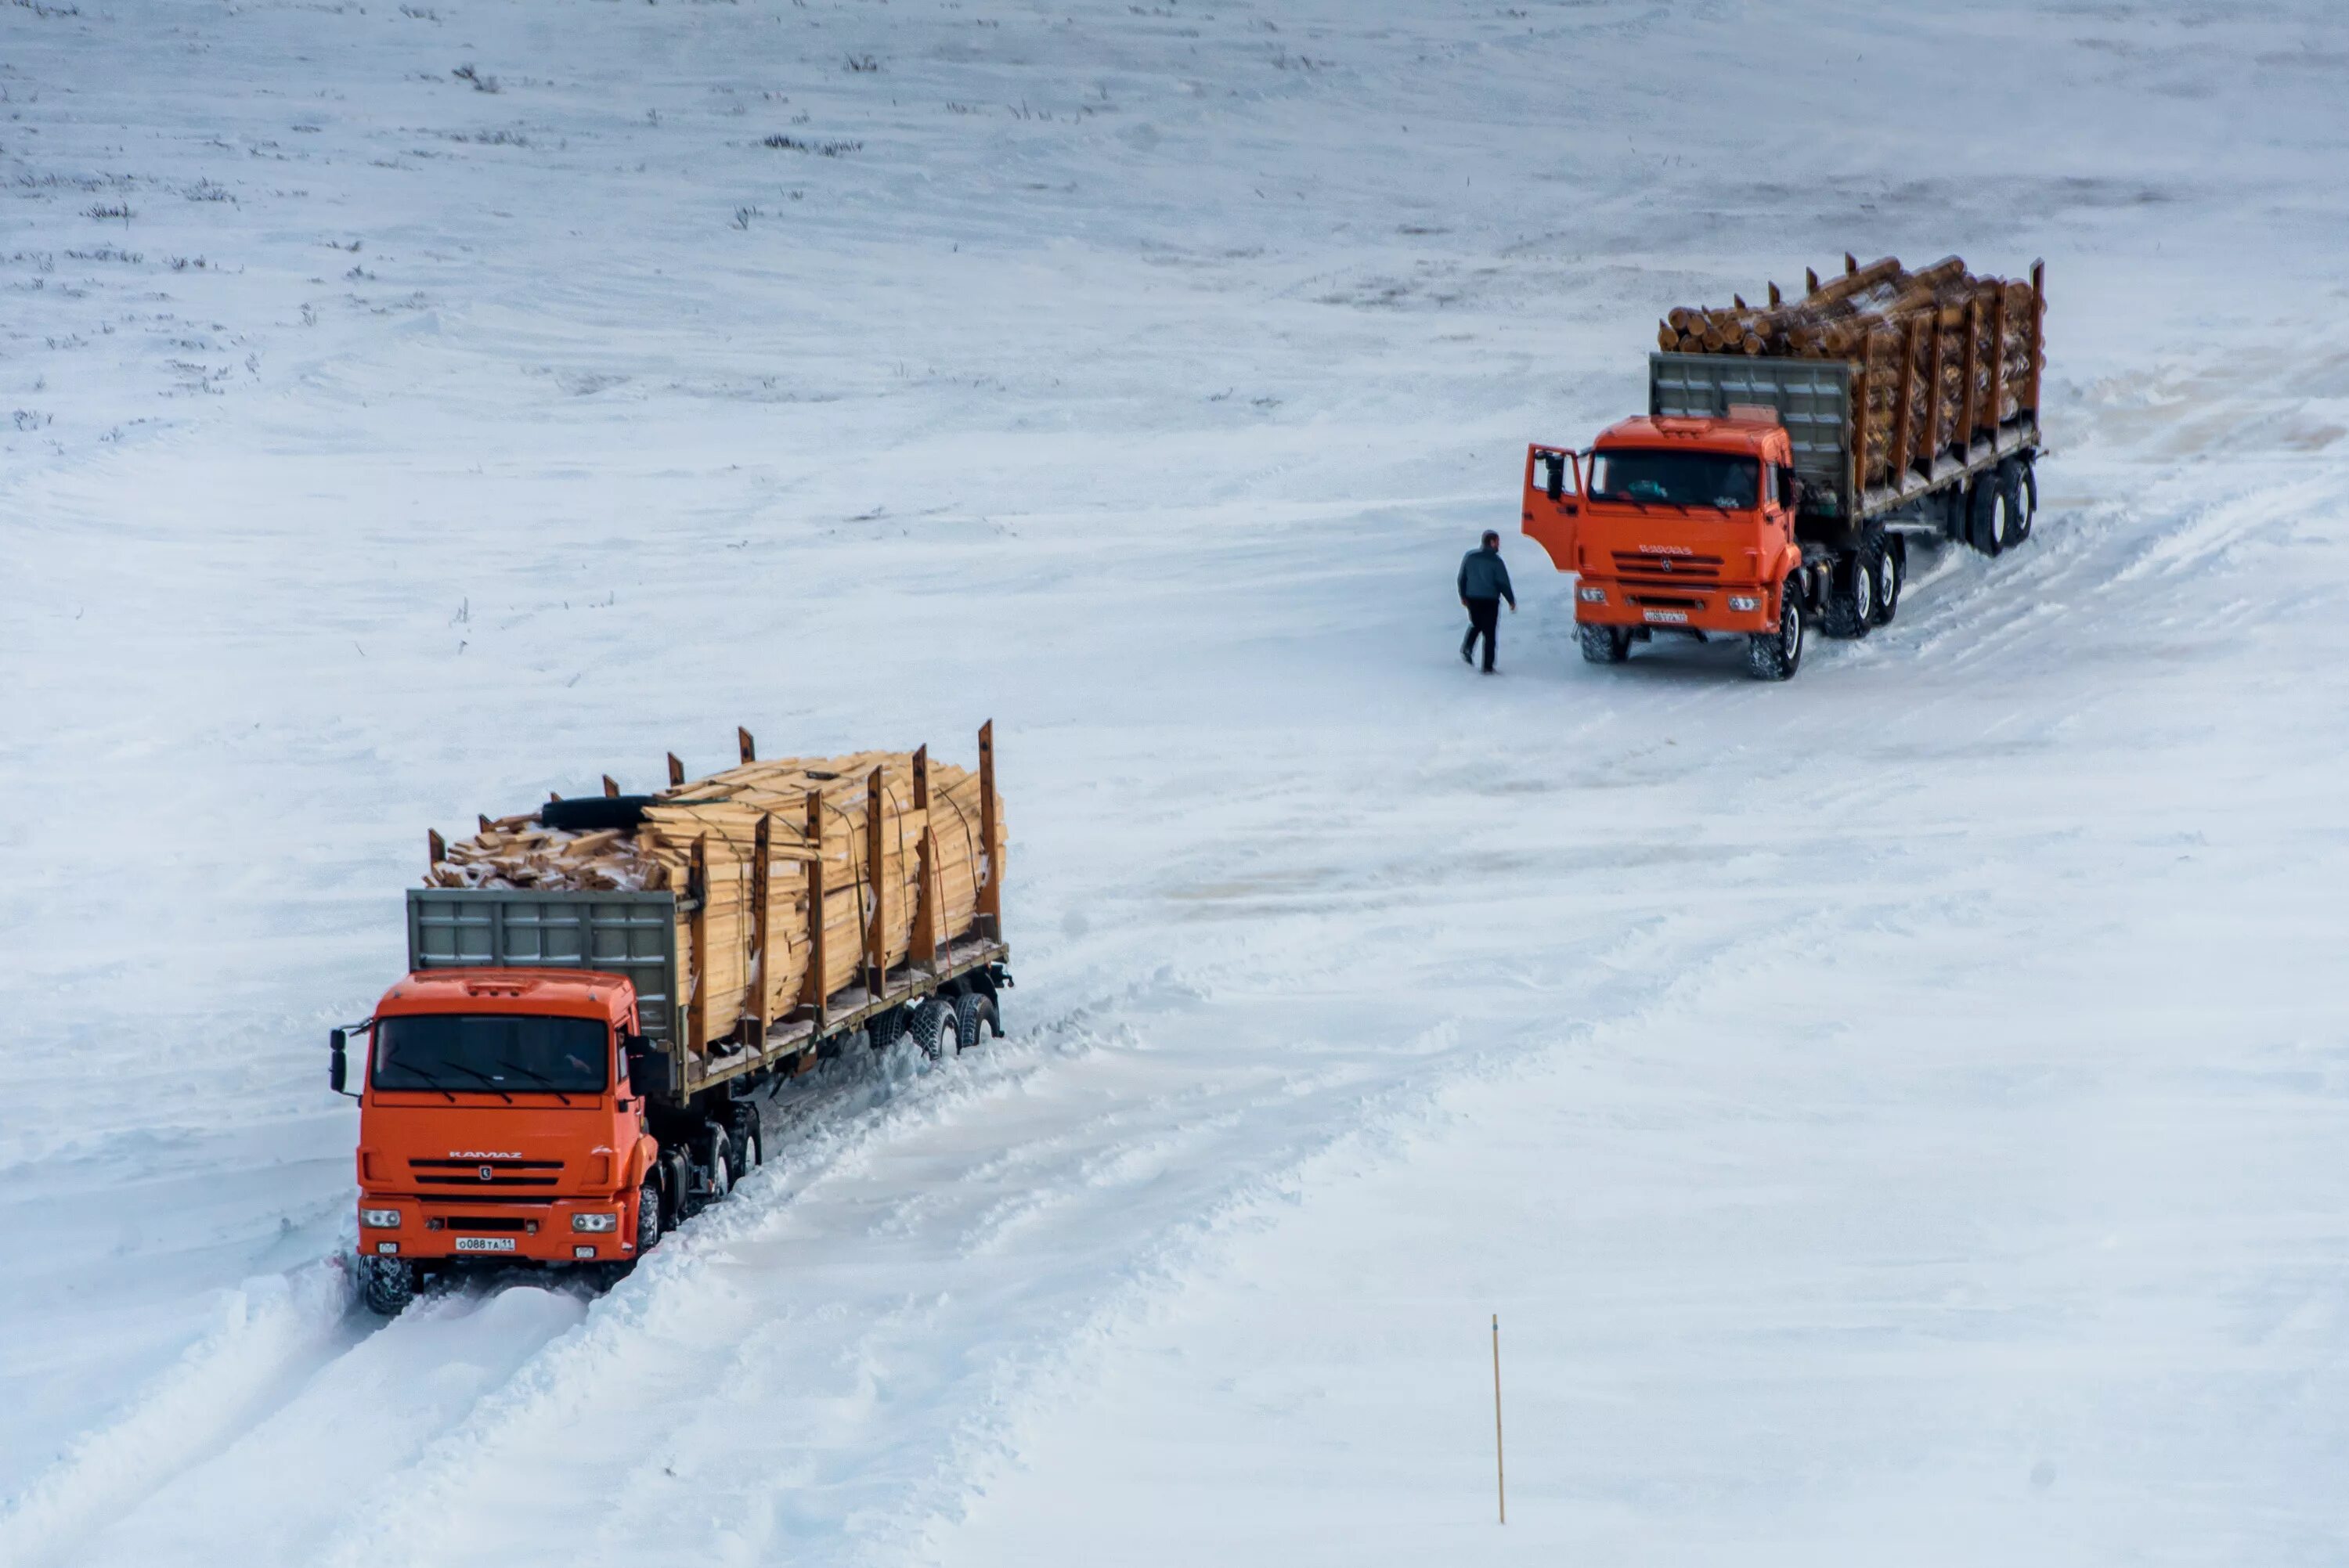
(499, 1121)
(1684, 525)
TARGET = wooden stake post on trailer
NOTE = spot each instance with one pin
(876, 876)
(812, 992)
(762, 967)
(990, 887)
(924, 947)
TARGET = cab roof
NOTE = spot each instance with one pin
(571, 993)
(1742, 435)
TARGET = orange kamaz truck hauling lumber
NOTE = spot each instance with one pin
(1790, 452)
(597, 989)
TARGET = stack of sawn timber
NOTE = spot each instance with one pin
(1943, 324)
(718, 819)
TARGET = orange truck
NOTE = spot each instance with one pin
(531, 1093)
(1740, 507)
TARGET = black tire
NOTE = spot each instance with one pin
(973, 1013)
(1776, 656)
(1982, 521)
(1891, 577)
(934, 1027)
(677, 1188)
(1605, 644)
(648, 1216)
(1851, 597)
(386, 1285)
(749, 1138)
(884, 1030)
(2010, 488)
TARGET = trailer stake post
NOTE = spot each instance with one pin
(990, 890)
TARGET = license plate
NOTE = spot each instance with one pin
(485, 1244)
(1667, 617)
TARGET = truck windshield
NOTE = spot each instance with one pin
(1675, 479)
(491, 1053)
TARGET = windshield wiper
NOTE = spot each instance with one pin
(486, 1079)
(535, 1076)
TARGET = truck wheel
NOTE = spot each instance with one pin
(1982, 522)
(648, 1216)
(2010, 494)
(973, 1013)
(884, 1030)
(1605, 644)
(1851, 599)
(1892, 573)
(676, 1183)
(386, 1285)
(936, 1027)
(743, 1125)
(1776, 656)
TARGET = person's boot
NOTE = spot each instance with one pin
(1466, 656)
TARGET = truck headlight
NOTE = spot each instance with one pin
(1591, 595)
(595, 1221)
(1744, 602)
(379, 1219)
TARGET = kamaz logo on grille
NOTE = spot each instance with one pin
(488, 1174)
(482, 1154)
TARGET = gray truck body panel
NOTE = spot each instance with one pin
(1812, 398)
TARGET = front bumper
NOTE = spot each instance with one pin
(1676, 609)
(440, 1229)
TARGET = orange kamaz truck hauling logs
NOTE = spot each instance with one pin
(596, 990)
(1788, 455)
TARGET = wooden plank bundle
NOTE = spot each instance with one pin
(1939, 356)
(737, 848)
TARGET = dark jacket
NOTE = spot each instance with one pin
(1485, 575)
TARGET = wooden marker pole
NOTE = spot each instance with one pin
(1500, 1476)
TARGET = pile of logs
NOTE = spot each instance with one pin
(740, 841)
(1937, 355)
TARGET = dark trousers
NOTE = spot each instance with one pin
(1484, 621)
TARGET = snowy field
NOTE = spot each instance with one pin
(1902, 1116)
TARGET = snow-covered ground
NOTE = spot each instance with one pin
(1897, 1116)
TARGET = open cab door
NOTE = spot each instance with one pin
(1552, 501)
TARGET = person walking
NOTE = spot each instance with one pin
(1483, 583)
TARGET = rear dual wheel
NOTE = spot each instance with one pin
(1852, 592)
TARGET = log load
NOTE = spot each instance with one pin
(1939, 356)
(702, 839)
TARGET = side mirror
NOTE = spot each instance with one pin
(338, 1071)
(1555, 463)
(651, 1071)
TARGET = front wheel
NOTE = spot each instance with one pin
(386, 1285)
(1605, 644)
(1776, 656)
(648, 1217)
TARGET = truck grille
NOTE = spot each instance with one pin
(489, 1174)
(1637, 568)
(485, 1223)
(1665, 601)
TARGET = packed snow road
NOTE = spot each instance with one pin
(1898, 1109)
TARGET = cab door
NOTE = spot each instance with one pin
(1553, 501)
